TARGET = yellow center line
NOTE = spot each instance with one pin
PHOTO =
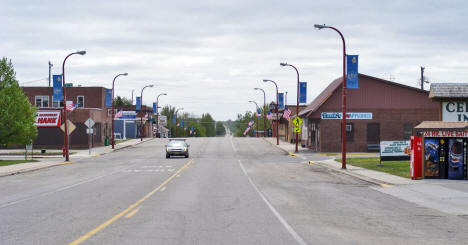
(133, 212)
(116, 217)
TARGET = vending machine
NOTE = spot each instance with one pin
(435, 159)
(456, 158)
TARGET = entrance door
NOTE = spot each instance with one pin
(373, 136)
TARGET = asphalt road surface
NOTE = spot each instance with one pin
(230, 191)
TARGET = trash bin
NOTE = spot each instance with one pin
(106, 141)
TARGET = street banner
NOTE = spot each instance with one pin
(48, 119)
(58, 90)
(162, 120)
(352, 72)
(128, 115)
(174, 120)
(181, 123)
(138, 103)
(155, 108)
(281, 100)
(108, 97)
(303, 92)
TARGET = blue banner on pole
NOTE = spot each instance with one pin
(280, 100)
(174, 120)
(352, 71)
(138, 103)
(181, 123)
(155, 107)
(302, 92)
(108, 97)
(57, 89)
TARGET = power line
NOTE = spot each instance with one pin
(33, 81)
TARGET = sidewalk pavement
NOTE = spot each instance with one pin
(49, 161)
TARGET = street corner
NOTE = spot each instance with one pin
(67, 162)
(291, 154)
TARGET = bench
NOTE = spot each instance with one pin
(373, 147)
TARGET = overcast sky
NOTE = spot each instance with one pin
(209, 55)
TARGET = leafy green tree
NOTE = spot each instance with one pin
(209, 124)
(122, 101)
(17, 115)
(220, 129)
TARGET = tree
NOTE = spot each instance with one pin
(209, 124)
(122, 101)
(220, 129)
(17, 115)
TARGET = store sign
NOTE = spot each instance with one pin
(349, 115)
(395, 148)
(128, 115)
(455, 111)
(162, 120)
(446, 133)
(48, 119)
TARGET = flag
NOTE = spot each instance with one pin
(269, 116)
(146, 115)
(251, 123)
(286, 113)
(259, 114)
(119, 114)
(71, 107)
(181, 123)
(174, 120)
(246, 130)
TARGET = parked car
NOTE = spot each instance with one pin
(177, 147)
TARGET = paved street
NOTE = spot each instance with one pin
(230, 191)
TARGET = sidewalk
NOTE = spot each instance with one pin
(51, 161)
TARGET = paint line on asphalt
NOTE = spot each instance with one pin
(232, 143)
(67, 162)
(163, 189)
(131, 207)
(291, 231)
(133, 212)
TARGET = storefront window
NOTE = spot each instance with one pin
(407, 131)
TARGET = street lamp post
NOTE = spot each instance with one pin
(175, 126)
(157, 114)
(141, 110)
(264, 111)
(287, 126)
(277, 104)
(256, 108)
(113, 112)
(343, 106)
(65, 139)
(297, 104)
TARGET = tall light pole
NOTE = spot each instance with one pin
(50, 67)
(175, 126)
(256, 117)
(277, 104)
(132, 95)
(157, 114)
(67, 157)
(343, 106)
(264, 111)
(113, 112)
(297, 104)
(285, 105)
(141, 110)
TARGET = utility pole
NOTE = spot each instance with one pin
(422, 78)
(50, 66)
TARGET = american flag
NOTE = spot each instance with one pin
(269, 116)
(286, 113)
(259, 115)
(118, 114)
(246, 130)
(71, 107)
(251, 123)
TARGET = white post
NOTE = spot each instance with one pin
(124, 129)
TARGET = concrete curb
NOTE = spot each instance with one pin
(286, 151)
(355, 175)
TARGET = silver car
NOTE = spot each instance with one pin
(177, 147)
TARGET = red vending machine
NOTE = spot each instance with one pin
(416, 157)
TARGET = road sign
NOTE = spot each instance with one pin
(297, 129)
(297, 121)
(70, 125)
(89, 123)
(89, 130)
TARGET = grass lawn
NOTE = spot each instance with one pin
(118, 141)
(11, 162)
(400, 168)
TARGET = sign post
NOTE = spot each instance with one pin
(89, 123)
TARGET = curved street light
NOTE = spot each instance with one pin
(277, 104)
(65, 139)
(157, 114)
(141, 110)
(256, 117)
(297, 104)
(343, 107)
(264, 111)
(113, 112)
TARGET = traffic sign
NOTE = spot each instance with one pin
(90, 131)
(297, 129)
(89, 123)
(297, 121)
(70, 125)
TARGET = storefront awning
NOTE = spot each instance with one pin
(442, 125)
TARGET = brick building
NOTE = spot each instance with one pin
(379, 110)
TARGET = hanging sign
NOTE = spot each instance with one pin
(155, 108)
(303, 92)
(57, 89)
(352, 71)
(138, 103)
(108, 97)
(281, 100)
(48, 119)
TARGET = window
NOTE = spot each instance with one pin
(42, 101)
(57, 104)
(349, 132)
(407, 130)
(80, 101)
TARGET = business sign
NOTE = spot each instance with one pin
(162, 120)
(48, 119)
(446, 133)
(155, 108)
(57, 88)
(281, 100)
(108, 97)
(349, 115)
(395, 148)
(456, 111)
(302, 92)
(352, 71)
(138, 103)
(128, 115)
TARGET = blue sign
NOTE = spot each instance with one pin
(281, 100)
(302, 92)
(155, 107)
(174, 120)
(108, 97)
(181, 123)
(352, 71)
(138, 103)
(58, 91)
